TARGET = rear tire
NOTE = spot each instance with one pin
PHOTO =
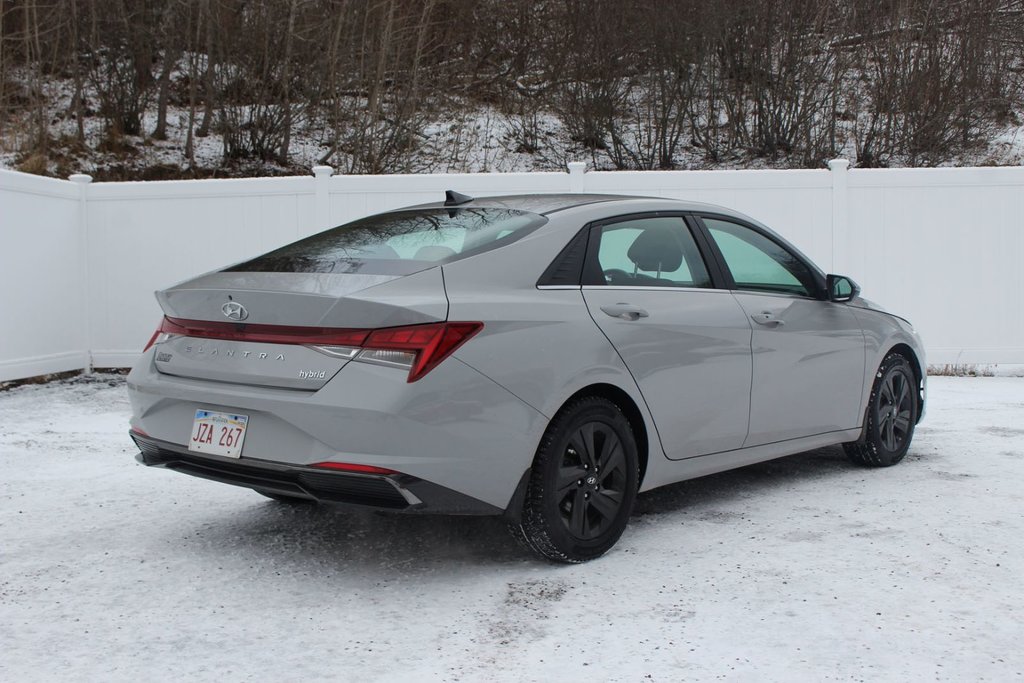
(891, 416)
(282, 498)
(583, 483)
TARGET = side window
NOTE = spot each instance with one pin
(757, 262)
(650, 252)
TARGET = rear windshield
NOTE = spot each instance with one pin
(399, 243)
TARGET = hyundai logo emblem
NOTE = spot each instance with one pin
(234, 311)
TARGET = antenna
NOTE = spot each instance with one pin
(453, 198)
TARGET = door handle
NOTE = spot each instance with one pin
(624, 311)
(767, 318)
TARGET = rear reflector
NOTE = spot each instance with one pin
(419, 348)
(358, 469)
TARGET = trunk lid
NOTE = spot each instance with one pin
(249, 301)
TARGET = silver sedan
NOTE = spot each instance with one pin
(541, 357)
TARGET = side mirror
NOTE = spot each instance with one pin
(841, 288)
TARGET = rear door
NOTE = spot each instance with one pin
(808, 353)
(686, 343)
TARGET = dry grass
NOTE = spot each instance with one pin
(34, 163)
(39, 379)
(960, 370)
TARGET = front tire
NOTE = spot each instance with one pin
(583, 483)
(891, 416)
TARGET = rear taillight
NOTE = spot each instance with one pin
(358, 469)
(152, 340)
(159, 337)
(267, 334)
(417, 348)
(421, 348)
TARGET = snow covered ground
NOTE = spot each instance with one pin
(802, 569)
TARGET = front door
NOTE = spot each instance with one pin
(808, 353)
(686, 344)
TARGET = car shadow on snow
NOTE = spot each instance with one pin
(717, 491)
(303, 536)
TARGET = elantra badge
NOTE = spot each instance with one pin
(234, 311)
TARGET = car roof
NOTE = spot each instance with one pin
(545, 204)
(534, 203)
(550, 203)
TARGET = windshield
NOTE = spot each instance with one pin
(399, 243)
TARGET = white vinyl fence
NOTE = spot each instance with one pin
(79, 261)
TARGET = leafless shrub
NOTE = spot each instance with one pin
(635, 83)
(934, 78)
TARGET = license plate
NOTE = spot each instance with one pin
(218, 433)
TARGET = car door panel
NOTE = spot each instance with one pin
(690, 356)
(808, 352)
(808, 367)
(687, 344)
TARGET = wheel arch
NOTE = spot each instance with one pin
(629, 408)
(915, 364)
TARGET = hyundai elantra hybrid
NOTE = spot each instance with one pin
(540, 357)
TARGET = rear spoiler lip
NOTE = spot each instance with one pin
(312, 299)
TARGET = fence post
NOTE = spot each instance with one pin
(322, 196)
(82, 181)
(840, 213)
(576, 175)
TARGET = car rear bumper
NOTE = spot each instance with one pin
(454, 428)
(399, 492)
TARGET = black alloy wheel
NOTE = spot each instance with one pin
(891, 415)
(582, 485)
(894, 409)
(592, 480)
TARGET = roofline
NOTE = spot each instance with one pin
(581, 199)
(573, 200)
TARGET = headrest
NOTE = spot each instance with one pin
(656, 250)
(381, 250)
(433, 252)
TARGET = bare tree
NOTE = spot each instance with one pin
(171, 50)
(634, 83)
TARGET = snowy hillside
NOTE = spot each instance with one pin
(477, 139)
(203, 88)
